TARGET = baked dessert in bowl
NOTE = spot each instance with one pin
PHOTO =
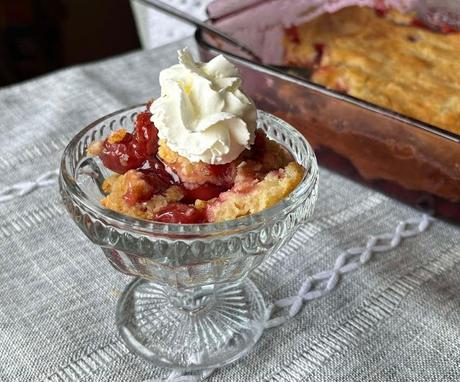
(191, 305)
(194, 155)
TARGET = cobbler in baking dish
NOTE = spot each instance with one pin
(195, 155)
(384, 57)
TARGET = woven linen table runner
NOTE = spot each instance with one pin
(397, 317)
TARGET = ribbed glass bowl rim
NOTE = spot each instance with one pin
(300, 194)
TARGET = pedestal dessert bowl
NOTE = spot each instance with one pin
(190, 305)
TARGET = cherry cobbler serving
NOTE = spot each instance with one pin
(195, 155)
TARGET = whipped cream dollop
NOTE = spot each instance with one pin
(202, 113)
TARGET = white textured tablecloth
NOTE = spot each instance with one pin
(396, 318)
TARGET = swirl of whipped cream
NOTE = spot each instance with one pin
(202, 114)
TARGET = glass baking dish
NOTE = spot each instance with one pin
(403, 157)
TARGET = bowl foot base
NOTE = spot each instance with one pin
(204, 328)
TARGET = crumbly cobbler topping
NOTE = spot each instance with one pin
(155, 183)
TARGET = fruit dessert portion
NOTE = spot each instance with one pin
(384, 57)
(195, 155)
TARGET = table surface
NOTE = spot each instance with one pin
(394, 318)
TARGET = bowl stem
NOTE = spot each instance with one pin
(192, 300)
(192, 329)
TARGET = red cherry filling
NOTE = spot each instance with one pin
(259, 146)
(381, 9)
(225, 172)
(155, 167)
(120, 156)
(442, 27)
(142, 186)
(221, 170)
(180, 213)
(146, 134)
(133, 149)
(151, 179)
(319, 49)
(292, 33)
(206, 191)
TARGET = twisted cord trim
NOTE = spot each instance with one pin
(17, 190)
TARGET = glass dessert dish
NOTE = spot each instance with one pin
(191, 305)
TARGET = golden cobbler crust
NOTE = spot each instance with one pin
(251, 195)
(274, 156)
(117, 186)
(189, 172)
(385, 61)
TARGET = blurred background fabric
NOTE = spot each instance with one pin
(156, 29)
(40, 36)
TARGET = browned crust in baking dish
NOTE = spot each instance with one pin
(383, 59)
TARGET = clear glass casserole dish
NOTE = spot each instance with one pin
(404, 157)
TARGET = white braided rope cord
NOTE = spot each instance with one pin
(322, 283)
(47, 179)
